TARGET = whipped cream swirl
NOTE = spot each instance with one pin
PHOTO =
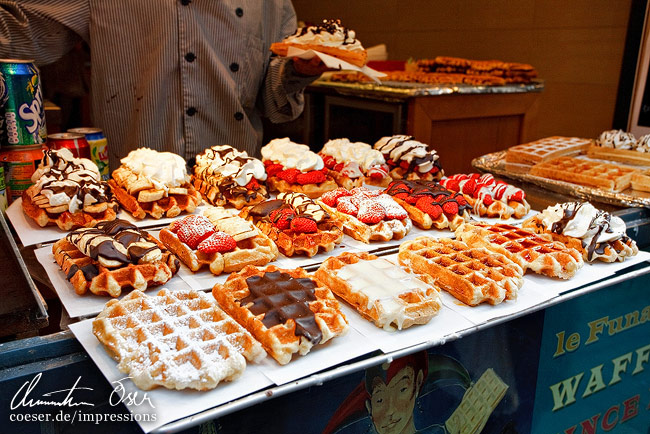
(617, 139)
(360, 153)
(66, 180)
(228, 162)
(329, 34)
(292, 155)
(164, 169)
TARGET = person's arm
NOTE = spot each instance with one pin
(281, 96)
(43, 30)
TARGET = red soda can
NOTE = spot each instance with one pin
(76, 143)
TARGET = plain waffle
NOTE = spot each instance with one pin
(134, 259)
(473, 275)
(178, 340)
(286, 310)
(545, 149)
(253, 247)
(382, 292)
(592, 173)
(538, 253)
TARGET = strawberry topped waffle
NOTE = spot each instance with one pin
(353, 163)
(367, 215)
(296, 223)
(224, 242)
(487, 196)
(225, 175)
(429, 204)
(409, 159)
(292, 167)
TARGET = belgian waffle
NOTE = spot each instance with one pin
(379, 290)
(353, 163)
(598, 235)
(286, 310)
(538, 253)
(641, 181)
(178, 340)
(68, 192)
(388, 228)
(252, 248)
(585, 172)
(430, 205)
(289, 241)
(545, 149)
(627, 156)
(225, 175)
(409, 159)
(113, 256)
(473, 275)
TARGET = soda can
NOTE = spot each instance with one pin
(19, 166)
(22, 114)
(98, 148)
(76, 143)
(3, 189)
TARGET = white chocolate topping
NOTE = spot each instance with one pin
(164, 169)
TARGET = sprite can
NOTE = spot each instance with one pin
(22, 114)
(98, 148)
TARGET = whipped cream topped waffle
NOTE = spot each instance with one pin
(297, 224)
(538, 253)
(224, 242)
(429, 204)
(154, 183)
(618, 145)
(592, 173)
(473, 275)
(597, 234)
(292, 167)
(225, 175)
(113, 256)
(409, 159)
(487, 196)
(178, 340)
(330, 37)
(352, 164)
(367, 215)
(286, 310)
(68, 192)
(384, 293)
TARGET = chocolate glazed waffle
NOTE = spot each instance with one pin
(379, 290)
(473, 275)
(286, 310)
(297, 224)
(429, 204)
(113, 256)
(531, 251)
(178, 340)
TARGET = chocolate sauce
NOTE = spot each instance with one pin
(263, 209)
(418, 189)
(280, 298)
(89, 271)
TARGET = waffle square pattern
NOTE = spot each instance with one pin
(178, 340)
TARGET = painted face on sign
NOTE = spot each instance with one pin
(391, 405)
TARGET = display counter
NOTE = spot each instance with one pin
(565, 355)
(460, 122)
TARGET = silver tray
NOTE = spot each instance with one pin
(495, 164)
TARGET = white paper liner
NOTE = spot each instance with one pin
(30, 233)
(88, 304)
(334, 63)
(170, 404)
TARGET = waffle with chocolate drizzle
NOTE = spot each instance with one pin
(113, 256)
(68, 192)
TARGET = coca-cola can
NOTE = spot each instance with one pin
(76, 143)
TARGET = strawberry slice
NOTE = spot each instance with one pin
(273, 169)
(218, 242)
(289, 175)
(330, 198)
(281, 218)
(193, 231)
(371, 212)
(311, 177)
(303, 225)
(345, 205)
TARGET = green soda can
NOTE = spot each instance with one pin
(22, 114)
(98, 148)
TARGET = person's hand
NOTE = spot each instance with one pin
(309, 67)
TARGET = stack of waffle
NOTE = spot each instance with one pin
(521, 158)
(508, 71)
(154, 183)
